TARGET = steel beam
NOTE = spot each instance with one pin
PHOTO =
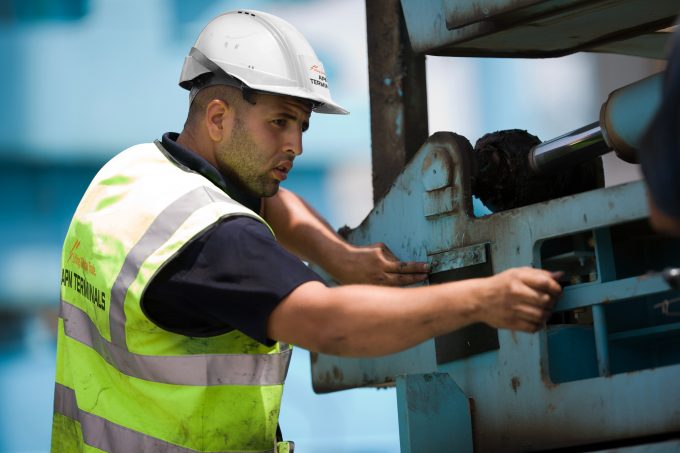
(397, 91)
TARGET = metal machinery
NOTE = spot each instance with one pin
(606, 371)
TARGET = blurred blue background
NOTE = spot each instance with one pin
(81, 80)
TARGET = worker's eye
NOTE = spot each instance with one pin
(280, 122)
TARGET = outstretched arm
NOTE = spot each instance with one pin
(365, 321)
(305, 233)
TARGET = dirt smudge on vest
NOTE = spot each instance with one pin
(249, 425)
(195, 345)
(183, 434)
(99, 394)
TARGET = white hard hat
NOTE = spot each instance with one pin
(260, 52)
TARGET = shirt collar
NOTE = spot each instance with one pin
(196, 163)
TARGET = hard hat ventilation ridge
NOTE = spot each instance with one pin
(216, 76)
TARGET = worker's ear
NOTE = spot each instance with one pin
(218, 119)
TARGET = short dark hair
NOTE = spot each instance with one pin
(227, 94)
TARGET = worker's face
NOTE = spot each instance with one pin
(265, 139)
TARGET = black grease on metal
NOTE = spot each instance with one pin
(504, 179)
(475, 338)
(333, 380)
(515, 383)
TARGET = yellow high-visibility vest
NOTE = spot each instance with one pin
(123, 384)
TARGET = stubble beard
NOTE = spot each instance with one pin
(242, 161)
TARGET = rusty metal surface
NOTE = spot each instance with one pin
(398, 94)
(455, 259)
(511, 235)
(526, 28)
(517, 407)
(459, 13)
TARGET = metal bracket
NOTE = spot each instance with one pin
(434, 414)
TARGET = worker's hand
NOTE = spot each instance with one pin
(520, 299)
(375, 264)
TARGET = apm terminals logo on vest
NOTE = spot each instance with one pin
(73, 280)
(80, 261)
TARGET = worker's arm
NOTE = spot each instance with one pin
(302, 231)
(364, 321)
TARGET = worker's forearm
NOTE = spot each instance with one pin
(301, 229)
(362, 321)
(306, 234)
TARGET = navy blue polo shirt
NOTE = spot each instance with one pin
(231, 276)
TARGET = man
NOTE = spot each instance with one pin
(178, 303)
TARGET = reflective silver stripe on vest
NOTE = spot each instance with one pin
(108, 436)
(162, 228)
(195, 369)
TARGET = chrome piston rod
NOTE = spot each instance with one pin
(624, 117)
(569, 149)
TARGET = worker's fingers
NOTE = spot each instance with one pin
(526, 326)
(523, 294)
(542, 281)
(521, 299)
(392, 264)
(529, 318)
(557, 275)
(407, 267)
(404, 279)
(543, 300)
(532, 314)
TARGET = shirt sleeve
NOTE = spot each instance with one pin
(230, 277)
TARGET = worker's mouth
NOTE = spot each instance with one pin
(281, 172)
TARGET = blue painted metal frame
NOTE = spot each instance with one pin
(588, 294)
(433, 399)
(529, 28)
(517, 405)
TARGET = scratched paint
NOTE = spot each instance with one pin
(488, 377)
(524, 28)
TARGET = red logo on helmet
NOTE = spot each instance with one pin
(316, 68)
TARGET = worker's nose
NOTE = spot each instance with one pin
(294, 143)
